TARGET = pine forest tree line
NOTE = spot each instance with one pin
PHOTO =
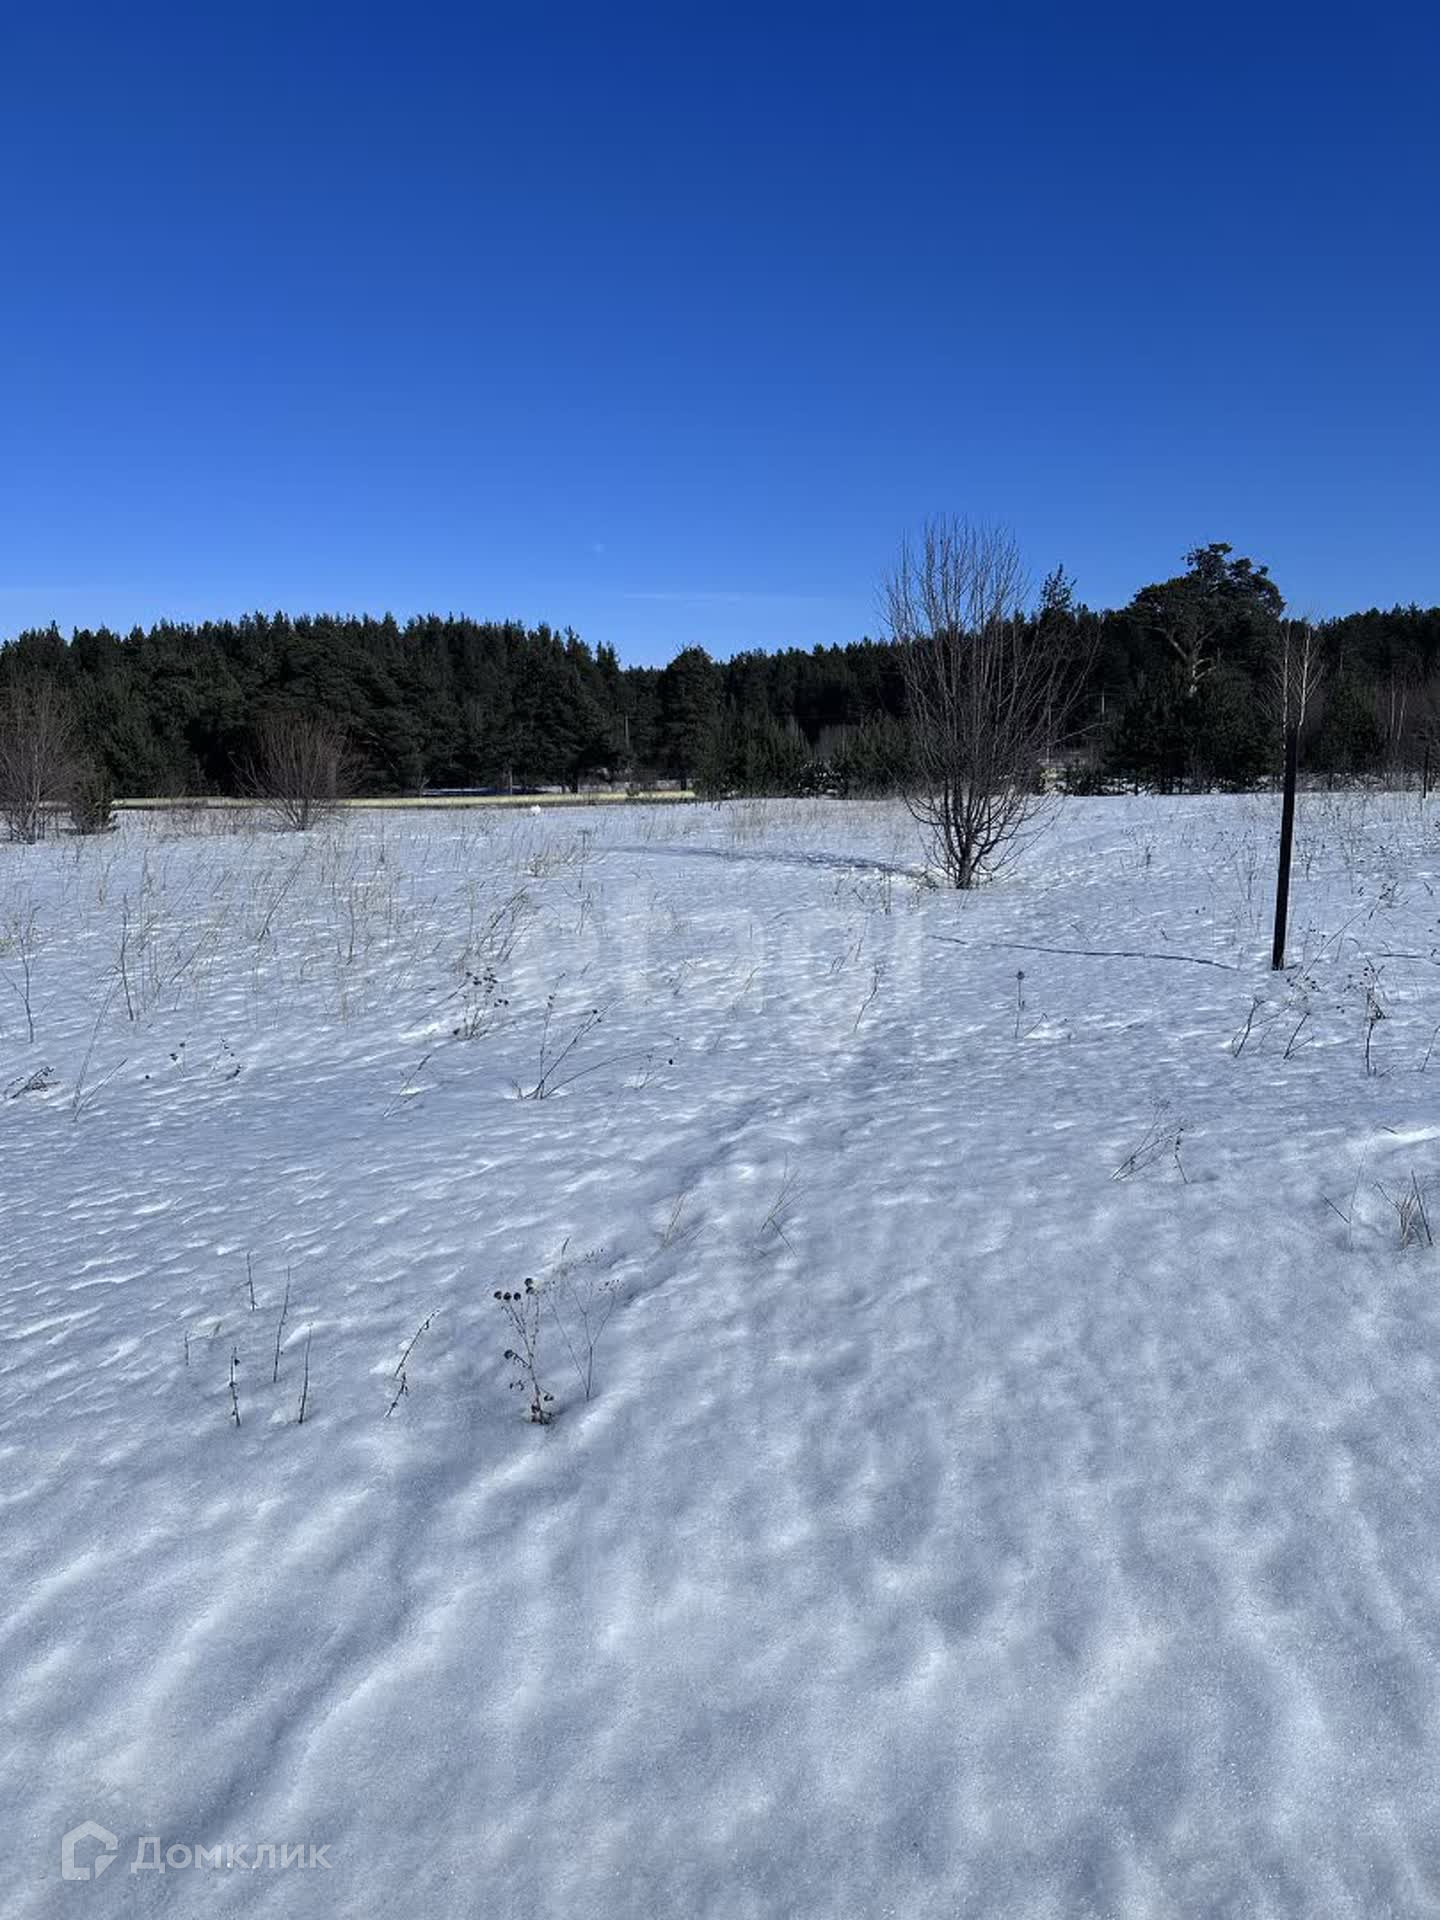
(1181, 694)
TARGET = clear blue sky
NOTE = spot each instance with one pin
(668, 323)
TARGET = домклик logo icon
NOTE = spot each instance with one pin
(91, 1830)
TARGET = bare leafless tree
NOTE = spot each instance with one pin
(39, 756)
(301, 769)
(1295, 676)
(989, 690)
(1426, 731)
(1401, 713)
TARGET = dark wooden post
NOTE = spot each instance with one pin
(1287, 837)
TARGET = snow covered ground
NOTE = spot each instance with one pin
(1010, 1483)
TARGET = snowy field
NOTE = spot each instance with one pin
(1009, 1483)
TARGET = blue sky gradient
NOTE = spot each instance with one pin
(668, 325)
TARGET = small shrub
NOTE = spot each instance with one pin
(301, 772)
(92, 801)
(1081, 781)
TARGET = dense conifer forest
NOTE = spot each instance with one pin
(1181, 693)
